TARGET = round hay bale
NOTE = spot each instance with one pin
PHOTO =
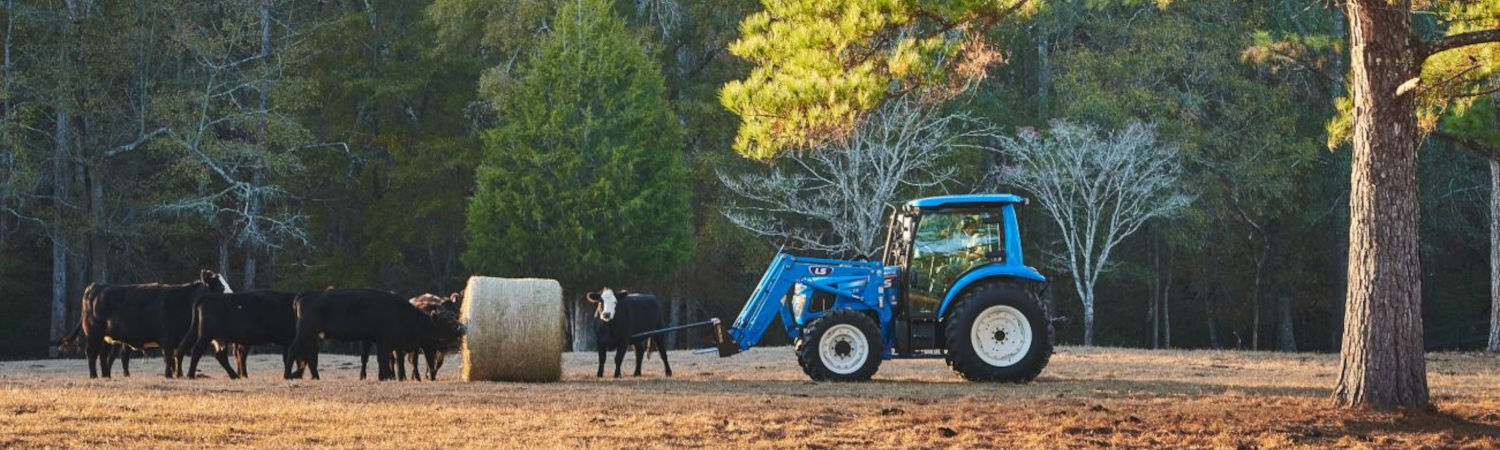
(515, 329)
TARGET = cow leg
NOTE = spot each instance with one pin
(383, 362)
(399, 360)
(620, 358)
(169, 359)
(287, 354)
(242, 356)
(416, 371)
(286, 362)
(109, 359)
(221, 354)
(432, 363)
(640, 354)
(312, 363)
(364, 358)
(304, 352)
(662, 350)
(602, 352)
(124, 361)
(91, 353)
(194, 354)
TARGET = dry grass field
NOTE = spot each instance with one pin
(1086, 398)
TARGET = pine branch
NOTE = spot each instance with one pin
(1446, 43)
(1468, 144)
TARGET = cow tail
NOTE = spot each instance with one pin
(195, 327)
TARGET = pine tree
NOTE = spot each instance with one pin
(1392, 79)
(582, 181)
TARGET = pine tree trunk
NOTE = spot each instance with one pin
(98, 245)
(1495, 248)
(1382, 363)
(1155, 315)
(583, 327)
(1166, 301)
(59, 324)
(60, 180)
(674, 318)
(1255, 304)
(1213, 333)
(1287, 335)
(1043, 73)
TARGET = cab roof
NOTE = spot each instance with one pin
(965, 199)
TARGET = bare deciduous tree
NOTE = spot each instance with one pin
(833, 200)
(224, 121)
(1098, 187)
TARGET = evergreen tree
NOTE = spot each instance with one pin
(583, 179)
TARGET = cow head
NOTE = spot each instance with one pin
(443, 314)
(215, 282)
(604, 303)
(454, 302)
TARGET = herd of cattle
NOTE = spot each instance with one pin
(183, 320)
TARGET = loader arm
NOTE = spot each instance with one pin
(786, 272)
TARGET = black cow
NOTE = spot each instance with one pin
(434, 349)
(141, 316)
(618, 316)
(385, 319)
(241, 319)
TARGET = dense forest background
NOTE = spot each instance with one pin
(300, 144)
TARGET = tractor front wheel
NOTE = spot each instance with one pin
(842, 345)
(998, 332)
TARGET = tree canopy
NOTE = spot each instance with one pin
(820, 66)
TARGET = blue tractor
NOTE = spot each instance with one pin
(952, 285)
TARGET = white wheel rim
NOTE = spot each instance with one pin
(1001, 336)
(843, 349)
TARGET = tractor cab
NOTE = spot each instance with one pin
(932, 244)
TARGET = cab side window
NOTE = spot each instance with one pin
(944, 247)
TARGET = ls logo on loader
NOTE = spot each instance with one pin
(820, 270)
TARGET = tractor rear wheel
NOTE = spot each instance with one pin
(998, 332)
(842, 345)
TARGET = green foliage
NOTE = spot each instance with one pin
(821, 65)
(583, 179)
(1452, 80)
(398, 162)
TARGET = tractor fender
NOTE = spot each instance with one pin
(982, 273)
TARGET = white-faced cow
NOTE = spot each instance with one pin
(141, 316)
(620, 315)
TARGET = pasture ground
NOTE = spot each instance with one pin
(1087, 397)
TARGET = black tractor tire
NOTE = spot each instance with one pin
(1000, 300)
(846, 343)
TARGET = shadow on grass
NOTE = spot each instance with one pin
(1448, 426)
